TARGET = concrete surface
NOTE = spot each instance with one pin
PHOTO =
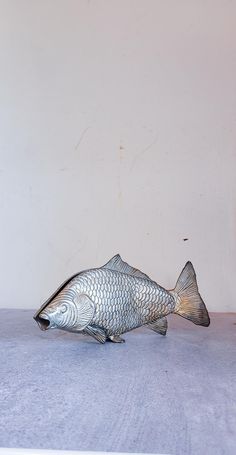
(13, 451)
(152, 394)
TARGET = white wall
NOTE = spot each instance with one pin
(117, 134)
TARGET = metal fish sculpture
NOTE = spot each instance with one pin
(116, 298)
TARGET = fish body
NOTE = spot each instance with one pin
(116, 298)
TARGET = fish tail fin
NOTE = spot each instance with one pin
(189, 303)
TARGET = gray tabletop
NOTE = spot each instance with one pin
(173, 394)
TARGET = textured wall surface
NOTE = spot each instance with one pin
(117, 134)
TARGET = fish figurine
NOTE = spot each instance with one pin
(108, 301)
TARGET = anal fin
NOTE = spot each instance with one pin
(97, 333)
(159, 326)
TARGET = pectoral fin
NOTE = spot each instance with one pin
(97, 333)
(85, 311)
(159, 326)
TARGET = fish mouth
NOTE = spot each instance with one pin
(43, 321)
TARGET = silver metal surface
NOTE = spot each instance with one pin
(116, 298)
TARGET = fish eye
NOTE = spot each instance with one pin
(63, 308)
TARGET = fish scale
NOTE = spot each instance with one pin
(116, 298)
(140, 302)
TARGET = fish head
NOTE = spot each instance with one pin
(69, 310)
(55, 315)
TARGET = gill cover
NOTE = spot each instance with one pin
(85, 311)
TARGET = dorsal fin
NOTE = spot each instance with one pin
(117, 264)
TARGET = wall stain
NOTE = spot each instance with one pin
(121, 159)
(142, 152)
(81, 137)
